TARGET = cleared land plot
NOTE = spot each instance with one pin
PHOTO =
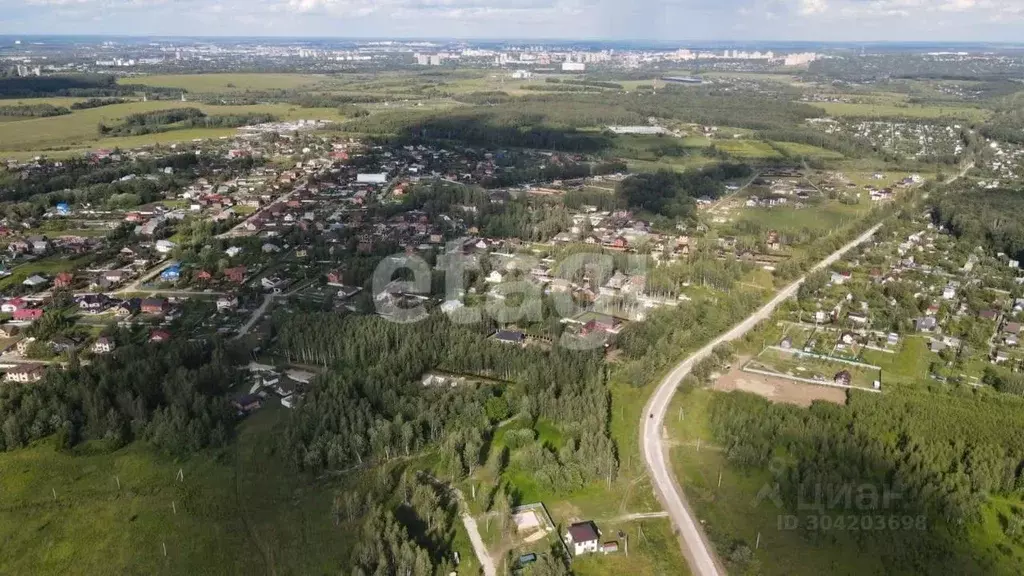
(830, 216)
(901, 111)
(747, 148)
(798, 365)
(795, 149)
(780, 390)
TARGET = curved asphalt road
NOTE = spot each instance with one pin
(696, 548)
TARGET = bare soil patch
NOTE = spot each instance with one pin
(777, 389)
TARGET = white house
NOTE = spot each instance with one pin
(227, 303)
(103, 345)
(372, 178)
(164, 246)
(584, 537)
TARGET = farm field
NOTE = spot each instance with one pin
(226, 83)
(871, 110)
(78, 131)
(795, 149)
(746, 148)
(228, 516)
(829, 216)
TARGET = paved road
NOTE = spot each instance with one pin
(696, 548)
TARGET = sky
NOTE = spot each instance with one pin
(661, 20)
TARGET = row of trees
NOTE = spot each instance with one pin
(76, 85)
(33, 110)
(179, 118)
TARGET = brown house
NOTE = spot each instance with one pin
(236, 274)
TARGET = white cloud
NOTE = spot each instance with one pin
(808, 7)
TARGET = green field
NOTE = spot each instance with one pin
(239, 511)
(871, 110)
(795, 149)
(79, 130)
(747, 148)
(226, 83)
(829, 216)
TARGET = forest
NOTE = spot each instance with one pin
(943, 451)
(673, 194)
(373, 408)
(179, 119)
(988, 218)
(79, 85)
(170, 394)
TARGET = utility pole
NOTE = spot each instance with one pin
(757, 544)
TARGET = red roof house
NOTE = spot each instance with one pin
(22, 314)
(236, 274)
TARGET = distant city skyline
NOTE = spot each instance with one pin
(654, 20)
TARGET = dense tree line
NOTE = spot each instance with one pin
(672, 194)
(941, 452)
(97, 103)
(373, 408)
(594, 83)
(179, 118)
(33, 110)
(78, 85)
(406, 524)
(171, 394)
(987, 218)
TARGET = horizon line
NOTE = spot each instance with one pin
(1006, 43)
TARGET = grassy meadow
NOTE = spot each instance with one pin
(238, 511)
(898, 110)
(227, 83)
(79, 130)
